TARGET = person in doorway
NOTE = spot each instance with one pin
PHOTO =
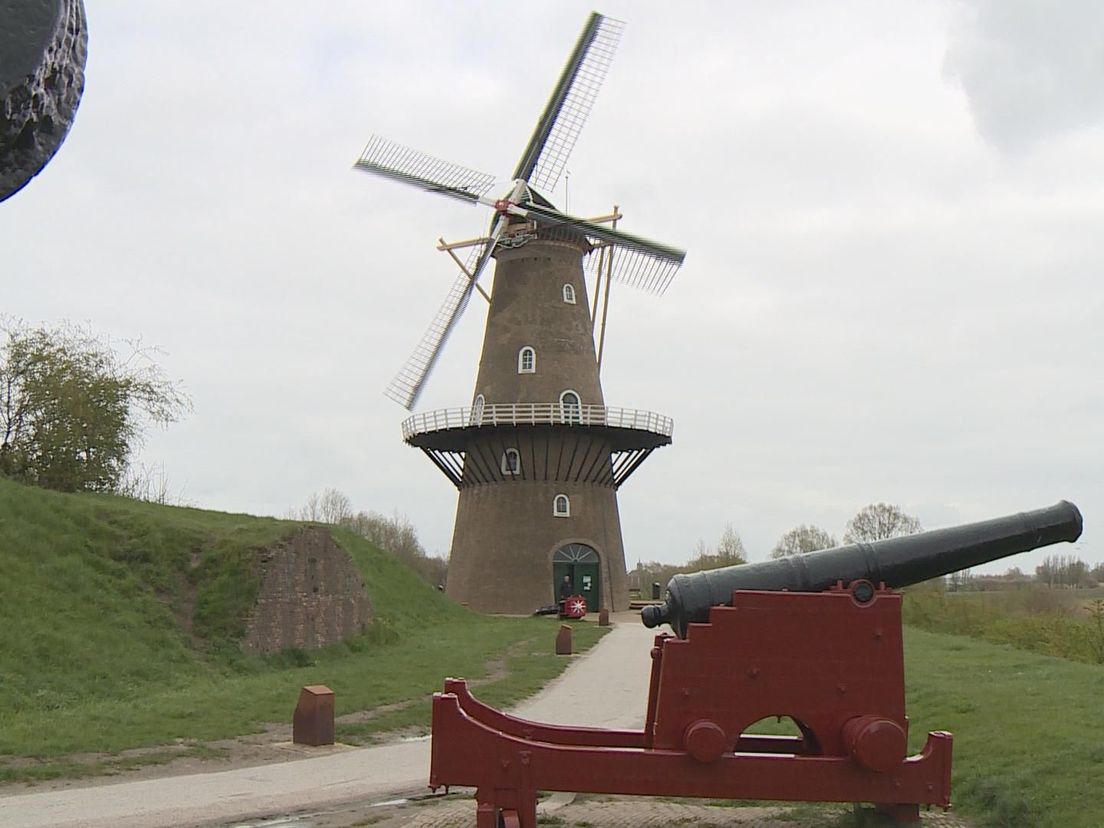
(566, 591)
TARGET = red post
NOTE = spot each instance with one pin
(563, 640)
(313, 722)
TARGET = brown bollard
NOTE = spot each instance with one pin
(563, 640)
(313, 722)
(603, 617)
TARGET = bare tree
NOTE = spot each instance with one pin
(308, 511)
(334, 507)
(331, 507)
(879, 521)
(395, 535)
(1063, 571)
(731, 546)
(802, 539)
(149, 483)
(961, 580)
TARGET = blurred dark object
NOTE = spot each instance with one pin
(43, 46)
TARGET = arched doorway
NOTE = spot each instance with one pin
(580, 563)
(570, 406)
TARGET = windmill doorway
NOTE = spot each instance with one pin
(580, 563)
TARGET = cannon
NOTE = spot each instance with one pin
(895, 562)
(815, 638)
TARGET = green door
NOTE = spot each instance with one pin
(581, 564)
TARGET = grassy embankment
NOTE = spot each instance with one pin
(1029, 729)
(94, 658)
(120, 623)
(1063, 622)
(1017, 677)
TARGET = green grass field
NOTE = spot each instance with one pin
(1062, 622)
(94, 659)
(1029, 729)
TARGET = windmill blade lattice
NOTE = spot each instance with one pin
(407, 384)
(633, 268)
(390, 160)
(545, 157)
(637, 261)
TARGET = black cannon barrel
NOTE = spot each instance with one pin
(896, 562)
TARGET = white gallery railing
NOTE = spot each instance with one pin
(537, 414)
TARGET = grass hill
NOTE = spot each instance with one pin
(119, 621)
(120, 624)
(1028, 744)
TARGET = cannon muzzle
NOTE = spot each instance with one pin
(896, 562)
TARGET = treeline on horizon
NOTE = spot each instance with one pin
(394, 534)
(874, 522)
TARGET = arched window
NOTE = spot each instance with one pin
(477, 410)
(570, 406)
(511, 462)
(527, 361)
(575, 553)
(561, 506)
(569, 294)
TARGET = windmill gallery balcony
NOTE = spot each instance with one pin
(619, 440)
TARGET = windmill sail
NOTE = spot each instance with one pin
(633, 268)
(407, 384)
(637, 261)
(399, 163)
(544, 158)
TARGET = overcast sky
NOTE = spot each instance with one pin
(893, 213)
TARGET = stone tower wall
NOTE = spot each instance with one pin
(311, 595)
(527, 308)
(506, 532)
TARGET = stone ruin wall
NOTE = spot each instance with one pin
(311, 595)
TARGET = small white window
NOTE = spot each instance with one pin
(570, 406)
(527, 361)
(569, 294)
(477, 410)
(561, 506)
(511, 462)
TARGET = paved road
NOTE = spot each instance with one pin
(607, 687)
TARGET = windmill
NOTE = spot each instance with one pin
(538, 456)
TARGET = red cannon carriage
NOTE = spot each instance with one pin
(829, 656)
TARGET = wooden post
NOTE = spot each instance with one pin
(313, 722)
(603, 617)
(563, 640)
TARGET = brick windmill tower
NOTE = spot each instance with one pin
(538, 456)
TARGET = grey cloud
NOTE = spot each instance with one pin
(1029, 69)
